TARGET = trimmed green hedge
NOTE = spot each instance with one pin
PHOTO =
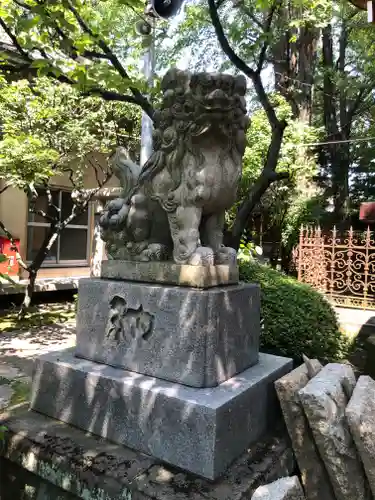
(296, 319)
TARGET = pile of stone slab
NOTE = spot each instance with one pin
(287, 488)
(330, 418)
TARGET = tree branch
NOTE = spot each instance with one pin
(14, 39)
(140, 98)
(109, 95)
(242, 66)
(22, 65)
(278, 176)
(43, 214)
(71, 175)
(353, 108)
(18, 61)
(251, 15)
(233, 57)
(266, 30)
(51, 204)
(4, 188)
(266, 178)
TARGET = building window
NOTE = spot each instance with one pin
(72, 245)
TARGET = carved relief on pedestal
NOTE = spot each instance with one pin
(126, 324)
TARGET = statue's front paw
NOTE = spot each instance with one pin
(226, 255)
(203, 256)
(155, 251)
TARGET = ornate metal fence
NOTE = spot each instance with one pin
(339, 264)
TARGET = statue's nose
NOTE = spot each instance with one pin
(217, 95)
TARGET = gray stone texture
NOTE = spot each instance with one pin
(194, 337)
(93, 468)
(6, 393)
(324, 399)
(198, 430)
(286, 488)
(313, 472)
(175, 206)
(169, 273)
(360, 414)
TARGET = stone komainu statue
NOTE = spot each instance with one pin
(174, 206)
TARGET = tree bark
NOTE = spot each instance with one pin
(30, 287)
(266, 178)
(294, 57)
(337, 121)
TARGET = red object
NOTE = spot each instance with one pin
(11, 267)
(367, 211)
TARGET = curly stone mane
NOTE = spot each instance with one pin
(192, 105)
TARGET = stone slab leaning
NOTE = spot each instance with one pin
(194, 337)
(286, 488)
(324, 400)
(360, 414)
(313, 472)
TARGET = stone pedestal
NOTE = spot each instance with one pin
(194, 337)
(92, 468)
(170, 371)
(198, 430)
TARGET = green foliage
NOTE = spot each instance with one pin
(296, 319)
(248, 251)
(303, 210)
(48, 127)
(3, 430)
(21, 394)
(194, 36)
(65, 40)
(5, 276)
(292, 157)
(285, 205)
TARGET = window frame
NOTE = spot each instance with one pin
(88, 228)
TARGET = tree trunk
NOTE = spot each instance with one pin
(266, 178)
(294, 59)
(337, 121)
(49, 240)
(28, 293)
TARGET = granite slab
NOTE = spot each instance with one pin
(169, 273)
(198, 430)
(194, 337)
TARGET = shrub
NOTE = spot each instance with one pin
(296, 319)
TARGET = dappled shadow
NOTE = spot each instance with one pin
(198, 337)
(20, 348)
(83, 463)
(216, 332)
(362, 354)
(17, 483)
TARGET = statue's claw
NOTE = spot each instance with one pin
(226, 255)
(203, 256)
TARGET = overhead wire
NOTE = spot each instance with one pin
(359, 139)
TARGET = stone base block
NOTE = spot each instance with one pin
(194, 337)
(88, 467)
(198, 430)
(169, 273)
